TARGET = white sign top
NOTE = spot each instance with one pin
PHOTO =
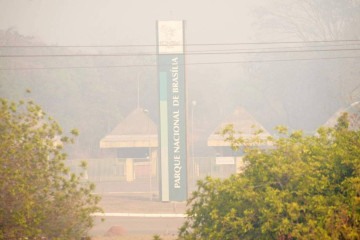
(170, 37)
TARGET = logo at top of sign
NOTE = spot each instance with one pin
(170, 37)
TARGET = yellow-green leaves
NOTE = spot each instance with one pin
(39, 196)
(300, 187)
(75, 132)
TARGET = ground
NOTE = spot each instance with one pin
(140, 227)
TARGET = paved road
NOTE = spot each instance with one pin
(138, 226)
(146, 215)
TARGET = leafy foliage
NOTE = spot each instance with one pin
(298, 187)
(39, 196)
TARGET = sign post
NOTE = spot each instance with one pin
(173, 148)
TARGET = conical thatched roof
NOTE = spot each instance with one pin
(243, 122)
(136, 130)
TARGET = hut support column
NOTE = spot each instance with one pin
(129, 170)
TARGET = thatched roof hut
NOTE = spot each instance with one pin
(243, 122)
(136, 130)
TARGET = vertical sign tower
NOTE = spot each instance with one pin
(171, 74)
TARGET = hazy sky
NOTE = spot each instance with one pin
(81, 22)
(303, 94)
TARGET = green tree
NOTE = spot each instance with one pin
(298, 187)
(39, 196)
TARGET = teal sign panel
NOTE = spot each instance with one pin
(173, 157)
